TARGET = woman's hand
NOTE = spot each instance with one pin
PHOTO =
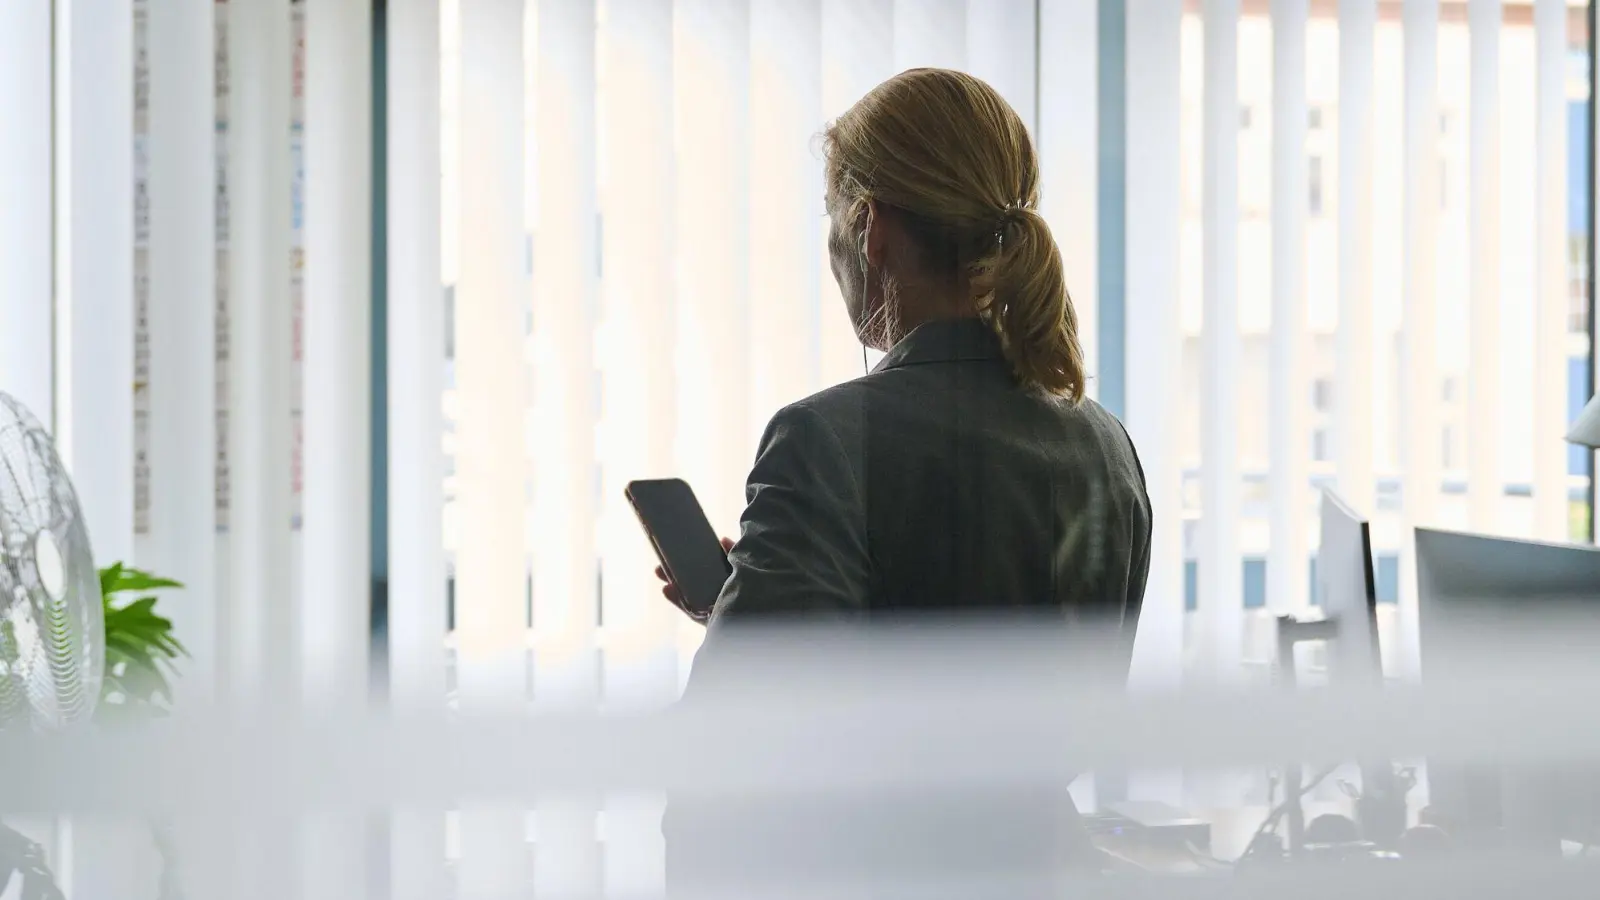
(675, 597)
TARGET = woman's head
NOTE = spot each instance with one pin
(933, 188)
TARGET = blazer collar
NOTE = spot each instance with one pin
(943, 340)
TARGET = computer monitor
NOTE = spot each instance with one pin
(1347, 590)
(1490, 602)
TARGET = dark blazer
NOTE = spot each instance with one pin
(934, 485)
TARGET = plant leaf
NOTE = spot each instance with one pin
(141, 608)
(109, 576)
(128, 579)
(140, 646)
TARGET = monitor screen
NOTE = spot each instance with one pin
(1346, 588)
(1492, 603)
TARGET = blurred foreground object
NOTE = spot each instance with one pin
(21, 858)
(946, 743)
(52, 633)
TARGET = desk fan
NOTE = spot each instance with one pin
(52, 626)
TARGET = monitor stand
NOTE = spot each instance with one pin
(1292, 631)
(1381, 808)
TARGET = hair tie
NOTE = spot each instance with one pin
(1009, 214)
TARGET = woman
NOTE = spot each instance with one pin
(968, 471)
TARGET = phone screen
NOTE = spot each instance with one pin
(684, 540)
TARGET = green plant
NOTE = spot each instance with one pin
(141, 651)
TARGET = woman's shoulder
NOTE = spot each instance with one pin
(837, 405)
(831, 419)
(892, 403)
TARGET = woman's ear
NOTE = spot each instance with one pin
(873, 234)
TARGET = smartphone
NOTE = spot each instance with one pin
(684, 540)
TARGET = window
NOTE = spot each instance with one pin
(1319, 445)
(1447, 445)
(1244, 118)
(1314, 185)
(1314, 118)
(1322, 394)
(1255, 583)
(1254, 580)
(1391, 494)
(1447, 390)
(1444, 182)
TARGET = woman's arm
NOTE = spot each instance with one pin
(802, 549)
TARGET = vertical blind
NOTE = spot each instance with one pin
(624, 200)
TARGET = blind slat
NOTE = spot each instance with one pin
(415, 371)
(182, 540)
(336, 405)
(1153, 211)
(564, 469)
(1001, 44)
(1068, 138)
(711, 82)
(96, 254)
(1551, 279)
(636, 342)
(26, 292)
(491, 378)
(1221, 585)
(1485, 483)
(1420, 386)
(930, 33)
(261, 623)
(1289, 394)
(853, 63)
(338, 360)
(1353, 407)
(785, 202)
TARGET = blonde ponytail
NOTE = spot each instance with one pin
(1028, 307)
